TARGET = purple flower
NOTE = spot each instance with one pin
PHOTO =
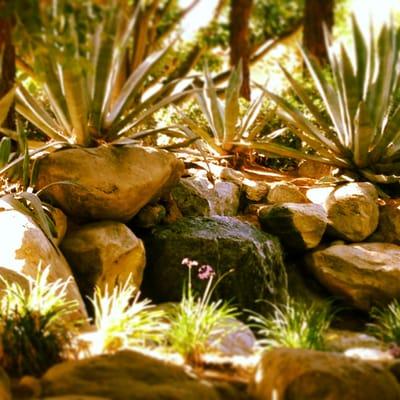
(189, 263)
(206, 272)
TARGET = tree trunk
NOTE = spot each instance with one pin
(316, 14)
(7, 68)
(239, 40)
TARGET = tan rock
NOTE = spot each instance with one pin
(104, 253)
(313, 169)
(125, 375)
(298, 226)
(363, 273)
(24, 247)
(285, 192)
(389, 224)
(353, 212)
(108, 182)
(255, 190)
(294, 374)
(60, 223)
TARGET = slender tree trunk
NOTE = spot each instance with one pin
(316, 14)
(7, 68)
(239, 40)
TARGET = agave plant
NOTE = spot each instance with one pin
(90, 99)
(225, 125)
(362, 131)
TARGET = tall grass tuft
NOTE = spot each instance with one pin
(122, 320)
(195, 318)
(36, 327)
(387, 323)
(294, 324)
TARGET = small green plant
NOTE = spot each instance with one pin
(195, 318)
(294, 324)
(387, 322)
(122, 320)
(225, 126)
(36, 326)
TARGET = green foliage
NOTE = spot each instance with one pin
(195, 318)
(272, 18)
(122, 320)
(225, 124)
(294, 324)
(81, 70)
(362, 131)
(35, 324)
(387, 322)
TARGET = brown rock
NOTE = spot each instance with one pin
(103, 254)
(364, 273)
(298, 226)
(107, 182)
(294, 374)
(125, 375)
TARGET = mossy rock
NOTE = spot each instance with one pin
(225, 243)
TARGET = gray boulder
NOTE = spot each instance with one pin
(226, 244)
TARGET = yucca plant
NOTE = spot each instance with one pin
(90, 99)
(386, 325)
(123, 320)
(293, 324)
(225, 126)
(362, 132)
(36, 327)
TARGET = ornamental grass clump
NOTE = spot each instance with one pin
(36, 325)
(294, 324)
(123, 320)
(386, 325)
(196, 317)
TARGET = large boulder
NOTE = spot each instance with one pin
(295, 374)
(125, 375)
(24, 247)
(353, 211)
(225, 243)
(298, 226)
(363, 273)
(107, 182)
(104, 254)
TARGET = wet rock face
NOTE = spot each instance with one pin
(298, 226)
(107, 182)
(294, 374)
(125, 375)
(225, 243)
(364, 273)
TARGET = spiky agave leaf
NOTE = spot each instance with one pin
(363, 133)
(83, 87)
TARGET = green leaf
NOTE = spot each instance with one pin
(5, 104)
(232, 106)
